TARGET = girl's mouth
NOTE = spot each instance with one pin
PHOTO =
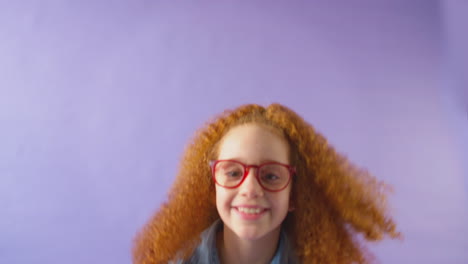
(247, 210)
(250, 213)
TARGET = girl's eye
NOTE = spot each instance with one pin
(270, 177)
(233, 174)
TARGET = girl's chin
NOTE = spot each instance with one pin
(251, 233)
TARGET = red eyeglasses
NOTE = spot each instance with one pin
(272, 176)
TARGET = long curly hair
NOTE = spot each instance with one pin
(337, 205)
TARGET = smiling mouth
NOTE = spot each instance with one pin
(250, 211)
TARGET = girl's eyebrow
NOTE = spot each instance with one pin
(263, 161)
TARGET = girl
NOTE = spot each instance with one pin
(260, 185)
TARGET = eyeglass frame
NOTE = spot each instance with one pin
(246, 167)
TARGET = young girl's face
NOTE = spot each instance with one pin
(249, 211)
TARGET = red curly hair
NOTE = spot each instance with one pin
(335, 202)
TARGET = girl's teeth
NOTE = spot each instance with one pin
(249, 210)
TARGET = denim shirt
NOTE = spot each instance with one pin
(206, 252)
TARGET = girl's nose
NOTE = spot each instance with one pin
(251, 188)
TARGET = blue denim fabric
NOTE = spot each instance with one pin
(206, 252)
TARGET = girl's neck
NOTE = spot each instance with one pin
(233, 249)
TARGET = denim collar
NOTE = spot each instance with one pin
(207, 253)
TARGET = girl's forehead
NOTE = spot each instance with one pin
(253, 143)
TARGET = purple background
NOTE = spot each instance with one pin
(99, 98)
